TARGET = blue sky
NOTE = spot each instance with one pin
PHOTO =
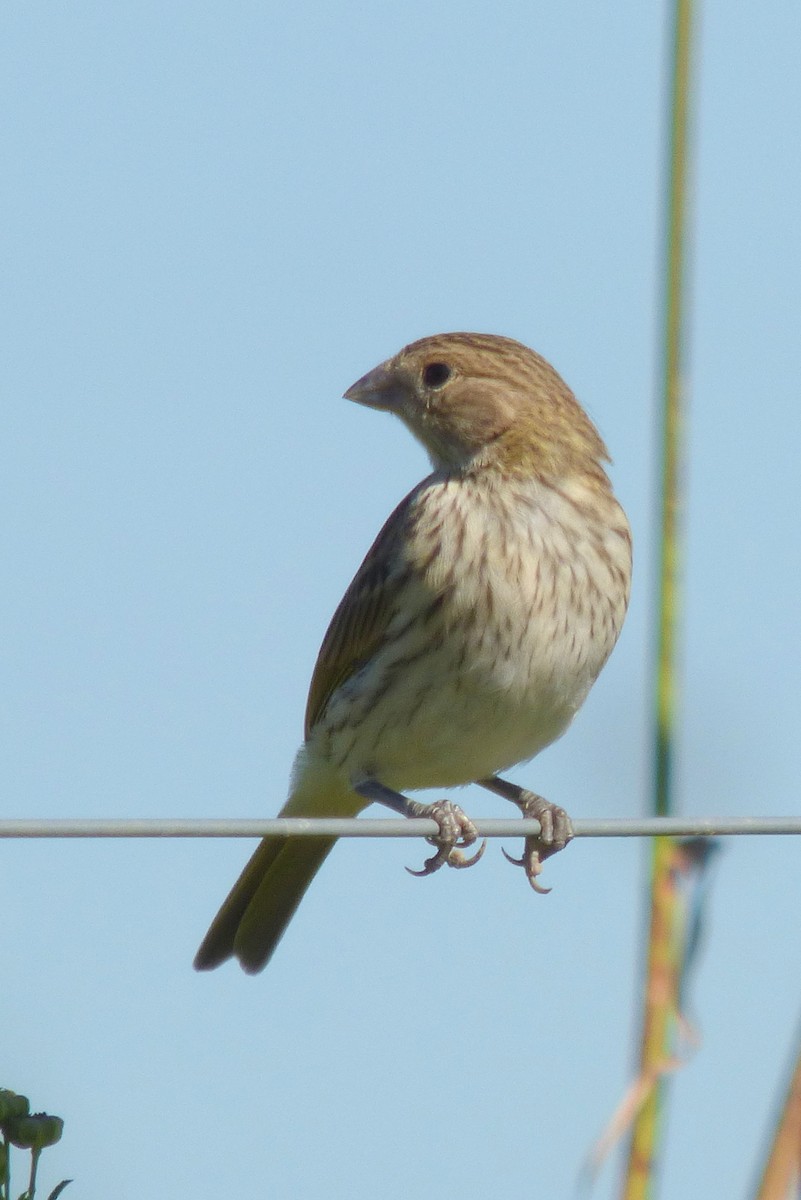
(215, 218)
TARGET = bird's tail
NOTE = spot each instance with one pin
(263, 900)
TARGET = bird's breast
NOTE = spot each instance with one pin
(509, 608)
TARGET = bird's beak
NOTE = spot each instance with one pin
(379, 388)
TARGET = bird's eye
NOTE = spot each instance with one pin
(435, 374)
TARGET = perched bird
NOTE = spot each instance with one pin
(471, 633)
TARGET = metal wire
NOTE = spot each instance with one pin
(393, 827)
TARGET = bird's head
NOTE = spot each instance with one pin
(478, 400)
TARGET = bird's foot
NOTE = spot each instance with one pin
(455, 830)
(556, 831)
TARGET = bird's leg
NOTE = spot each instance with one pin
(555, 827)
(455, 827)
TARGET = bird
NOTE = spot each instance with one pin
(471, 633)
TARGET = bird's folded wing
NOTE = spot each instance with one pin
(360, 622)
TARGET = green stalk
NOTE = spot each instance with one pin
(672, 410)
(661, 984)
(35, 1152)
(781, 1172)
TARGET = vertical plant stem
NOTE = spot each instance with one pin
(660, 992)
(781, 1172)
(5, 1190)
(35, 1152)
(672, 410)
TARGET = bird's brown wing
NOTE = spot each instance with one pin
(364, 613)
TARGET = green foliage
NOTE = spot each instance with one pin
(26, 1131)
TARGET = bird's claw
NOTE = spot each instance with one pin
(556, 831)
(455, 830)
